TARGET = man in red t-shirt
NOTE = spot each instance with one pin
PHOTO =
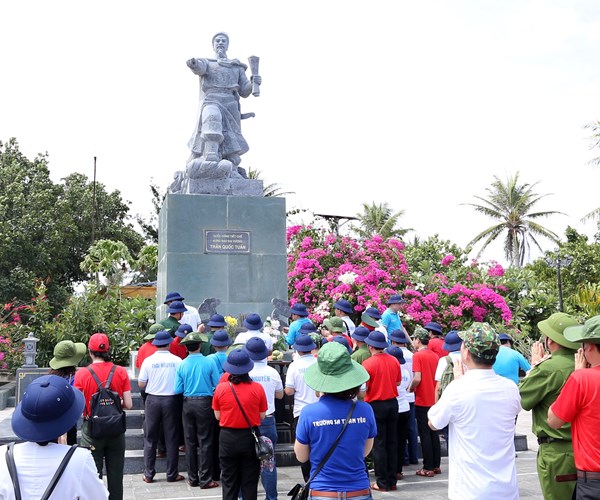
(176, 347)
(579, 403)
(436, 339)
(381, 394)
(111, 450)
(147, 349)
(423, 385)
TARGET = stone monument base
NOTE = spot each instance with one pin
(231, 187)
(232, 248)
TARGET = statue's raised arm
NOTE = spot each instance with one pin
(217, 143)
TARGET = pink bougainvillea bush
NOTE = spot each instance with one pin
(324, 267)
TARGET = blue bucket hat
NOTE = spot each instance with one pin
(503, 336)
(373, 312)
(162, 339)
(183, 330)
(304, 343)
(238, 362)
(216, 320)
(307, 327)
(452, 341)
(253, 322)
(299, 309)
(432, 326)
(360, 333)
(257, 349)
(173, 296)
(396, 352)
(220, 338)
(176, 307)
(376, 339)
(398, 336)
(396, 299)
(343, 341)
(49, 408)
(344, 305)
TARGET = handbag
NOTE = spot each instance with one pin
(301, 491)
(263, 446)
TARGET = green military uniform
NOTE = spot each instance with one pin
(539, 389)
(207, 348)
(361, 354)
(170, 324)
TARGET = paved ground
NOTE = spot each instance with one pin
(411, 488)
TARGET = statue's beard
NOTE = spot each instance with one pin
(221, 53)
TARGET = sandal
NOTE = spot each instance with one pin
(376, 487)
(437, 470)
(425, 473)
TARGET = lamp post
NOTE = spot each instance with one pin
(558, 262)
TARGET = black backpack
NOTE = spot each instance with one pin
(107, 418)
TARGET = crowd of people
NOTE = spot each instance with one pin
(366, 397)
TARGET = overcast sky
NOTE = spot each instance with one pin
(418, 104)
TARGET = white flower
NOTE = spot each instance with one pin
(348, 278)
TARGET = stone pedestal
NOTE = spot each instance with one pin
(229, 247)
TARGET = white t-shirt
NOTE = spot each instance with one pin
(158, 370)
(191, 317)
(243, 337)
(294, 378)
(402, 394)
(349, 324)
(480, 409)
(443, 363)
(36, 466)
(408, 357)
(269, 378)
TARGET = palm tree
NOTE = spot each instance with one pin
(595, 137)
(269, 189)
(379, 219)
(510, 203)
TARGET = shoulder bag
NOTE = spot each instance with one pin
(300, 492)
(262, 444)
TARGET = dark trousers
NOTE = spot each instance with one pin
(216, 474)
(430, 440)
(240, 469)
(161, 439)
(412, 446)
(385, 449)
(198, 426)
(402, 432)
(109, 452)
(304, 467)
(587, 489)
(162, 412)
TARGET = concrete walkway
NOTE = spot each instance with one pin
(411, 488)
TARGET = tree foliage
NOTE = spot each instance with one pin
(511, 204)
(46, 228)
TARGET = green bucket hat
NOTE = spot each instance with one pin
(335, 325)
(368, 320)
(481, 339)
(334, 370)
(555, 326)
(153, 330)
(67, 353)
(420, 333)
(194, 337)
(588, 332)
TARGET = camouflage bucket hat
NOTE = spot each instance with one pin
(481, 339)
(420, 333)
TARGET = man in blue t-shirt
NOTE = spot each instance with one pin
(390, 317)
(508, 361)
(299, 316)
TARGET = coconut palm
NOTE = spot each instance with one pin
(595, 137)
(379, 219)
(510, 203)
(269, 189)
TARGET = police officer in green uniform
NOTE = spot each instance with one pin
(539, 389)
(171, 322)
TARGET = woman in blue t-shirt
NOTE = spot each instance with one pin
(338, 379)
